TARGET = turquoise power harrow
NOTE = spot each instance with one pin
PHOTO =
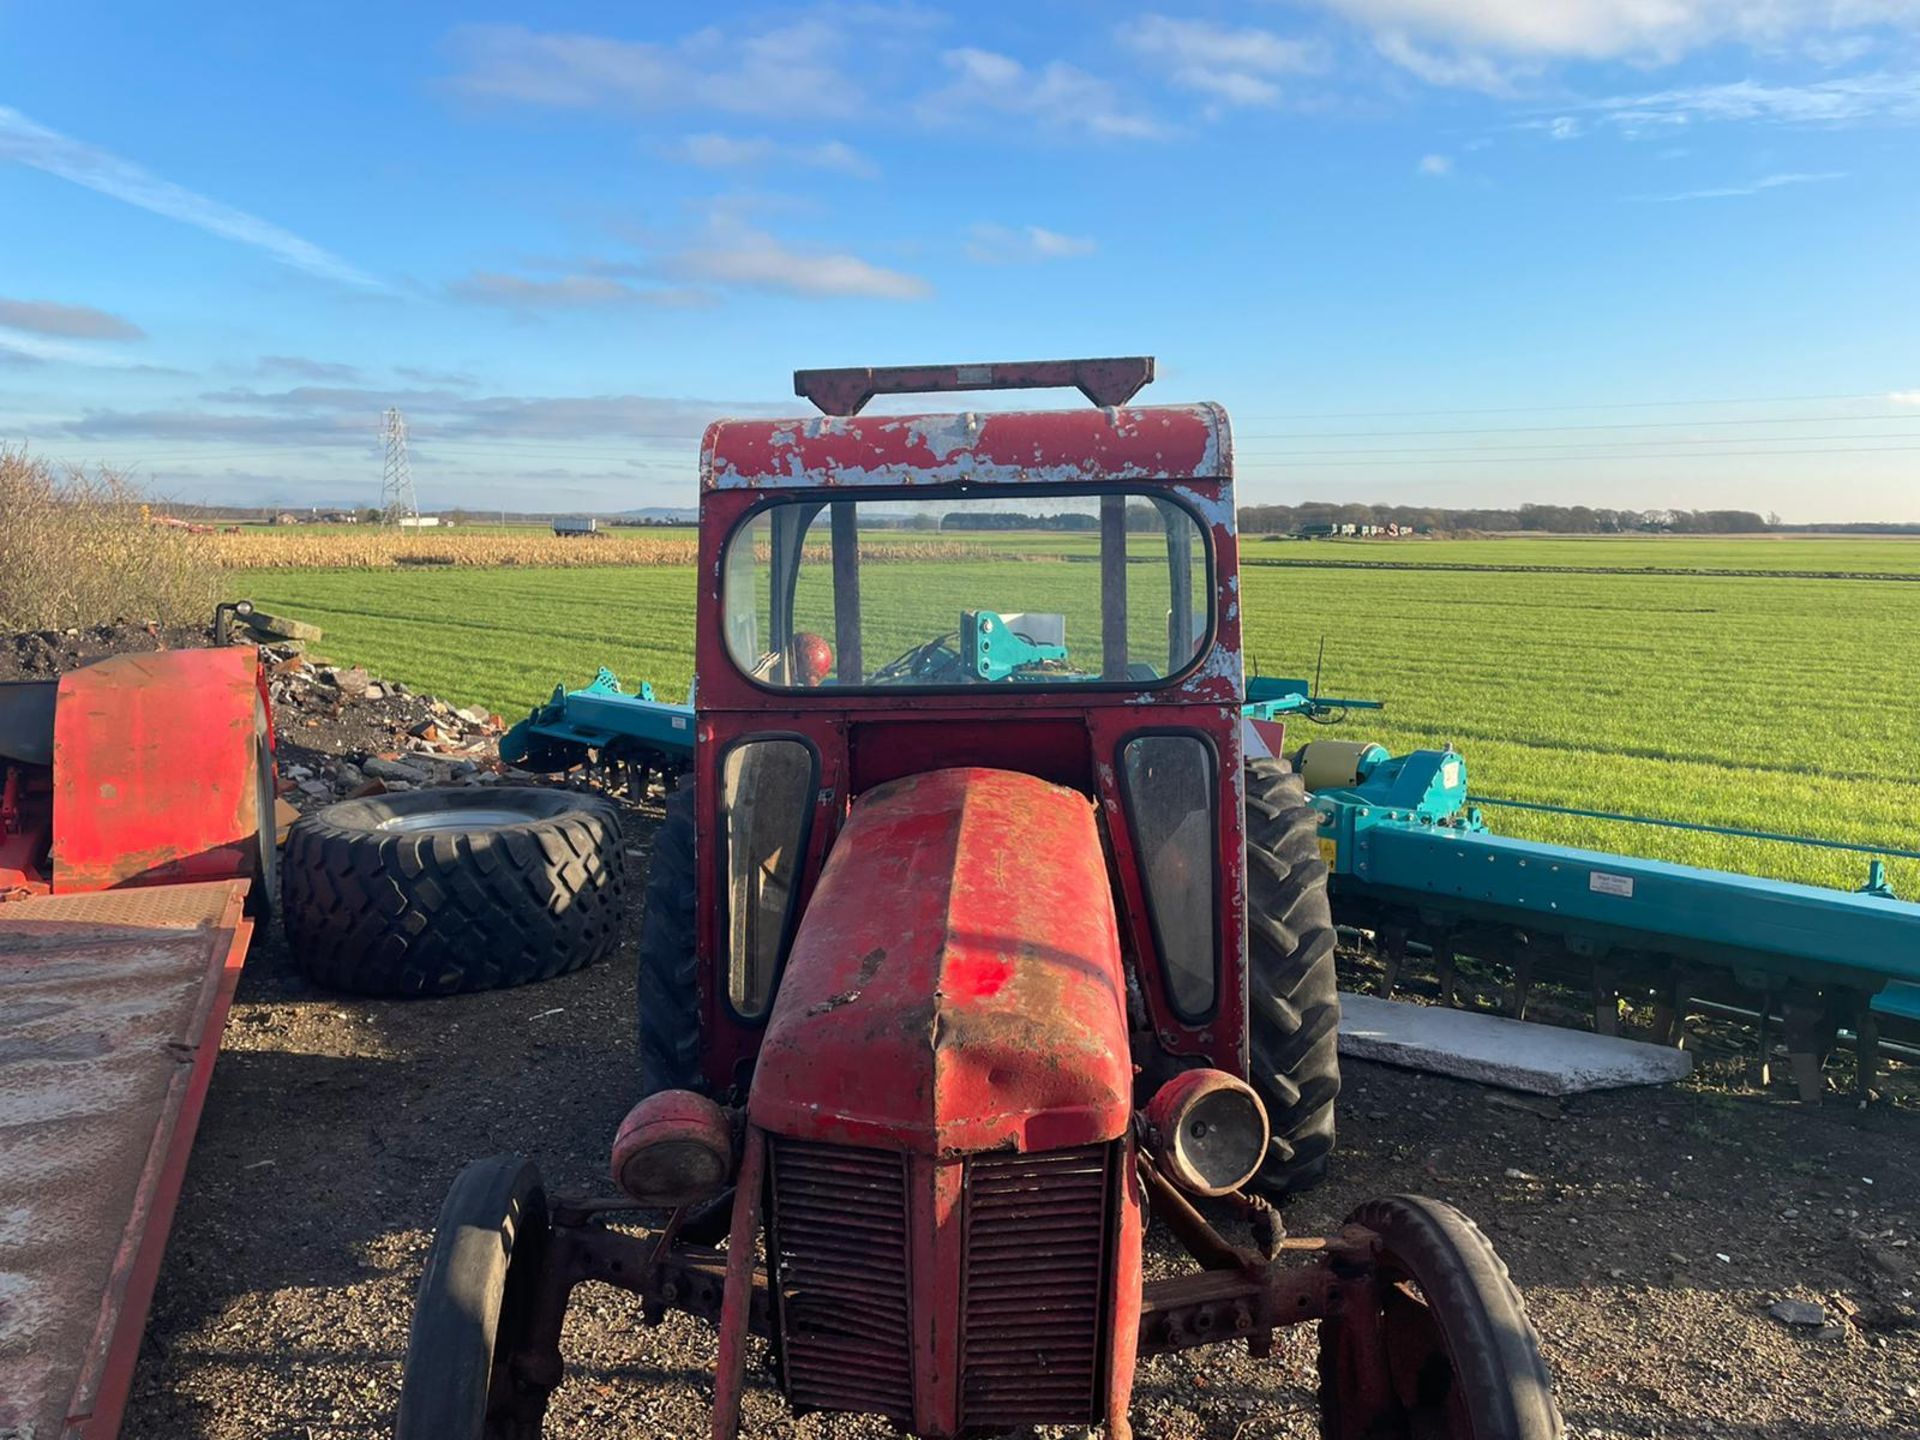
(1417, 871)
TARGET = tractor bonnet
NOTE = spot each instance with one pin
(956, 983)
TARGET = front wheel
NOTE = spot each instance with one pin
(473, 1310)
(1434, 1343)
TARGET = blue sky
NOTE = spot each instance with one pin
(1631, 252)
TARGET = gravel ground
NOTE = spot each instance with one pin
(1650, 1230)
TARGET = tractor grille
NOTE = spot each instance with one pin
(1036, 1270)
(840, 1236)
(1036, 1259)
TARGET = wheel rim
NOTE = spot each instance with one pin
(452, 818)
(1424, 1382)
(1397, 1382)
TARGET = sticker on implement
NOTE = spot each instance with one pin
(1601, 883)
(1328, 850)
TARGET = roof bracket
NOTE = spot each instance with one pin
(1107, 382)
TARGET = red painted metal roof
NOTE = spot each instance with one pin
(111, 1007)
(1023, 447)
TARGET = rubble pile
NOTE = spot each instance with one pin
(342, 732)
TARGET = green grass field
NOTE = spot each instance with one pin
(1774, 703)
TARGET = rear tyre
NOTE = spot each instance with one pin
(473, 1310)
(1438, 1346)
(1293, 1007)
(439, 892)
(667, 987)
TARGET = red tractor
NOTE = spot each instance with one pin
(974, 941)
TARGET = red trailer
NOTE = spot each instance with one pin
(136, 811)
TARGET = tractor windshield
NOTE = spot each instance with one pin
(1012, 590)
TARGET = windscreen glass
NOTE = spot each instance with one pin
(1015, 591)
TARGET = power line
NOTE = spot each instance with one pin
(1579, 459)
(1569, 409)
(1596, 444)
(1913, 415)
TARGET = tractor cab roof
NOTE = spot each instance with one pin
(842, 448)
(1167, 443)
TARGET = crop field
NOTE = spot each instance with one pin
(1773, 702)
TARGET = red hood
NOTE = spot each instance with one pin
(956, 983)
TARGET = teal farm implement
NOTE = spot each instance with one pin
(1417, 869)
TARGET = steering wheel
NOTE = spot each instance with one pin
(934, 663)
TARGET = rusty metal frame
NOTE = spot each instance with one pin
(1238, 1296)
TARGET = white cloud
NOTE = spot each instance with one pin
(313, 415)
(791, 70)
(1750, 187)
(1884, 97)
(1563, 127)
(570, 292)
(1458, 70)
(1437, 167)
(727, 152)
(1235, 66)
(33, 144)
(301, 368)
(1057, 95)
(733, 252)
(1644, 30)
(992, 244)
(1905, 397)
(26, 346)
(74, 322)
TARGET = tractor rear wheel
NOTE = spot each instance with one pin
(440, 892)
(474, 1309)
(1435, 1344)
(1293, 1008)
(667, 987)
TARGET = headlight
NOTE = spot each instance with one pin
(1208, 1131)
(674, 1148)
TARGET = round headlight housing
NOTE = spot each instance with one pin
(1208, 1131)
(674, 1148)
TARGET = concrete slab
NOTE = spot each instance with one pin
(1492, 1050)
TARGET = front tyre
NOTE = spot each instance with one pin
(1435, 1344)
(473, 1308)
(1293, 1007)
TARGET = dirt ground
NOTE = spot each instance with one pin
(1650, 1230)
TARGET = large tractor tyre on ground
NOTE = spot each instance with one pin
(1438, 1345)
(473, 1309)
(440, 892)
(1293, 1008)
(667, 987)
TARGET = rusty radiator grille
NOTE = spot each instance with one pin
(839, 1237)
(1035, 1283)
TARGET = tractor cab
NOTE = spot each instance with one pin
(971, 941)
(1048, 594)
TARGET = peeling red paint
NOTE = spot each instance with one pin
(997, 1017)
(1152, 442)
